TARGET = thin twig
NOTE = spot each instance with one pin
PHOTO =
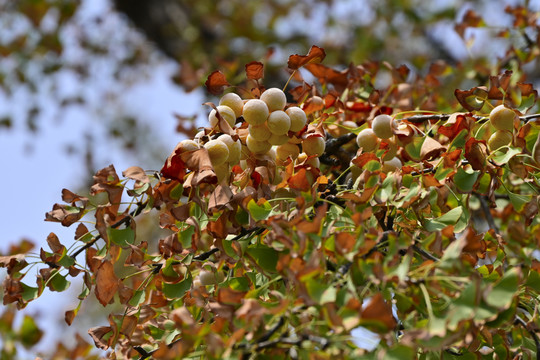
(425, 253)
(487, 212)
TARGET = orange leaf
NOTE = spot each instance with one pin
(299, 181)
(315, 55)
(216, 83)
(255, 70)
(106, 283)
(136, 173)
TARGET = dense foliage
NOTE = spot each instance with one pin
(294, 218)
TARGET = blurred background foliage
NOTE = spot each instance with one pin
(48, 43)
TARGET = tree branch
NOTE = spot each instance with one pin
(520, 321)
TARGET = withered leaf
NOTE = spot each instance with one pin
(106, 283)
(54, 243)
(97, 334)
(255, 70)
(475, 152)
(328, 75)
(431, 149)
(473, 99)
(70, 197)
(315, 55)
(453, 126)
(378, 310)
(64, 214)
(216, 83)
(136, 173)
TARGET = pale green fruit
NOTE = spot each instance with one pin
(218, 152)
(382, 125)
(188, 145)
(298, 118)
(287, 150)
(275, 99)
(499, 139)
(314, 145)
(367, 140)
(259, 132)
(257, 147)
(235, 147)
(278, 139)
(391, 165)
(233, 101)
(255, 112)
(502, 118)
(208, 277)
(226, 112)
(222, 171)
(279, 122)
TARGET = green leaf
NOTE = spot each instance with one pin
(178, 290)
(450, 218)
(185, 236)
(400, 352)
(137, 298)
(239, 284)
(518, 201)
(29, 333)
(29, 293)
(465, 179)
(414, 148)
(503, 156)
(121, 237)
(264, 256)
(259, 212)
(452, 254)
(503, 292)
(320, 292)
(58, 283)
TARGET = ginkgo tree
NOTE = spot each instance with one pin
(296, 216)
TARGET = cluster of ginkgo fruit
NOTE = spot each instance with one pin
(502, 119)
(273, 133)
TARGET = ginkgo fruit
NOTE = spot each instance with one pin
(367, 140)
(222, 171)
(391, 165)
(235, 147)
(226, 112)
(382, 125)
(257, 147)
(298, 118)
(259, 132)
(207, 277)
(499, 139)
(314, 145)
(502, 118)
(278, 139)
(217, 151)
(279, 122)
(255, 112)
(287, 150)
(234, 101)
(275, 99)
(188, 145)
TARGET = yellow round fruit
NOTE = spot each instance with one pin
(502, 118)
(255, 112)
(222, 171)
(278, 139)
(499, 139)
(391, 165)
(275, 99)
(313, 161)
(382, 126)
(259, 132)
(257, 147)
(287, 150)
(235, 147)
(298, 118)
(279, 122)
(233, 101)
(226, 112)
(217, 151)
(207, 277)
(188, 145)
(314, 145)
(367, 140)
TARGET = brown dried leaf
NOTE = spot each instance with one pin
(255, 70)
(216, 82)
(473, 99)
(136, 173)
(453, 126)
(431, 149)
(315, 55)
(54, 244)
(378, 310)
(345, 242)
(476, 153)
(97, 334)
(328, 75)
(64, 214)
(107, 283)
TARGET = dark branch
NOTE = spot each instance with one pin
(124, 221)
(520, 321)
